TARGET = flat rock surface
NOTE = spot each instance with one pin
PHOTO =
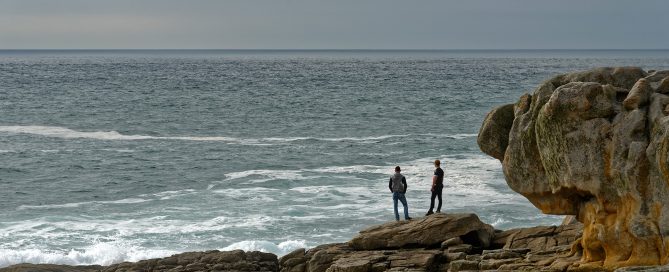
(424, 232)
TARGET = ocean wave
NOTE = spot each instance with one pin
(44, 229)
(61, 132)
(79, 204)
(66, 133)
(459, 168)
(280, 249)
(98, 254)
(107, 253)
(270, 174)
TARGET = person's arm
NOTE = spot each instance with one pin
(404, 182)
(434, 182)
(390, 185)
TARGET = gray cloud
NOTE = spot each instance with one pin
(341, 24)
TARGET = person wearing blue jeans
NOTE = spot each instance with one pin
(398, 186)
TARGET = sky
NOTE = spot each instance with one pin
(334, 24)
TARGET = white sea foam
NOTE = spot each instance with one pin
(499, 221)
(460, 136)
(118, 150)
(264, 175)
(133, 200)
(108, 253)
(171, 194)
(101, 253)
(280, 249)
(79, 204)
(62, 132)
(87, 229)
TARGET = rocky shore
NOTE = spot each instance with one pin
(440, 242)
(592, 145)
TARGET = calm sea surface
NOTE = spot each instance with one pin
(110, 156)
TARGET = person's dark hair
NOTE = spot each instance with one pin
(437, 162)
(397, 169)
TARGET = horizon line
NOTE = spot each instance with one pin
(332, 49)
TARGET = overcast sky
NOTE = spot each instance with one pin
(335, 24)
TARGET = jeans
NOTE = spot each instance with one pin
(436, 193)
(401, 198)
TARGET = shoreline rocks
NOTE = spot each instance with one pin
(439, 242)
(457, 242)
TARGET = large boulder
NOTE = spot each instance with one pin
(429, 231)
(594, 144)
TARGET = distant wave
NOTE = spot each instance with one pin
(78, 204)
(66, 133)
(463, 171)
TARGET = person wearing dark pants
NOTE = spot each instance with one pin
(437, 187)
(398, 186)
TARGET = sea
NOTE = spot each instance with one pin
(121, 155)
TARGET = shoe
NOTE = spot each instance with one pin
(408, 218)
(428, 213)
(438, 211)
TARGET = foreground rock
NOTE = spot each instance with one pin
(444, 242)
(595, 145)
(426, 232)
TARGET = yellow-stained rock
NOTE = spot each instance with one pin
(595, 145)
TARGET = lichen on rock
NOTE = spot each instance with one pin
(594, 144)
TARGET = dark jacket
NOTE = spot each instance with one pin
(397, 183)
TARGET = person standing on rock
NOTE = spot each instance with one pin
(437, 186)
(398, 186)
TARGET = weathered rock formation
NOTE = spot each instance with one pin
(593, 144)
